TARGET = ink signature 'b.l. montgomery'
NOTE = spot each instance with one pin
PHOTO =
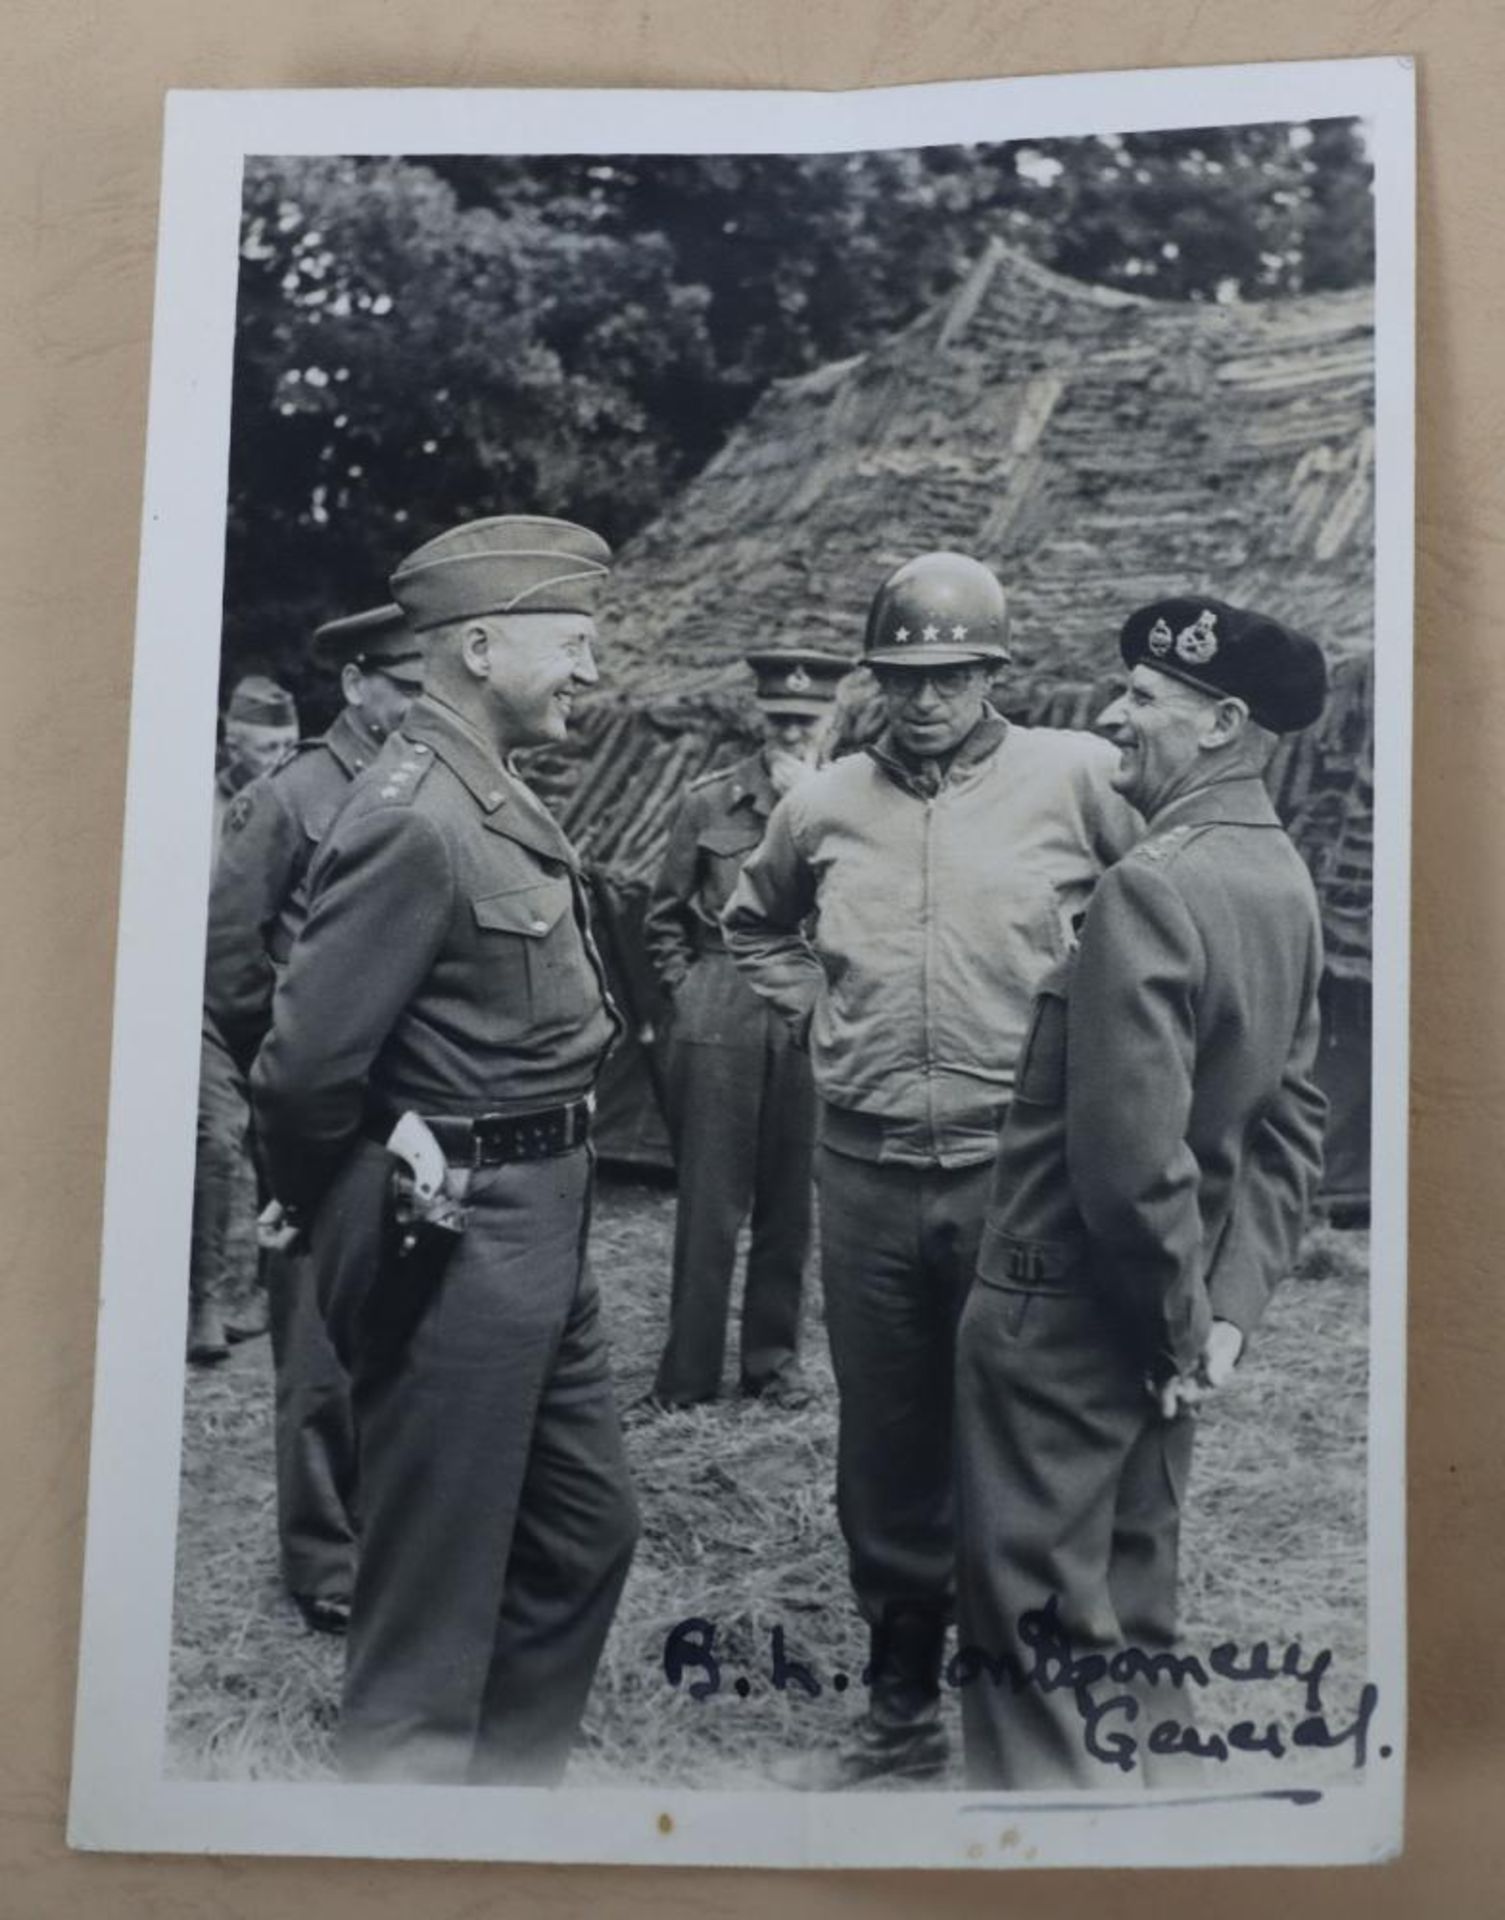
(692, 1659)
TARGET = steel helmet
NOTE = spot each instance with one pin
(939, 609)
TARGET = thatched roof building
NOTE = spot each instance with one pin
(1096, 449)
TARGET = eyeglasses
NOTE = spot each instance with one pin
(905, 683)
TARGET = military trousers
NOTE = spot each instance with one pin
(314, 1433)
(898, 1248)
(222, 1247)
(1069, 1493)
(497, 1517)
(743, 1123)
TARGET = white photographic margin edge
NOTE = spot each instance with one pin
(121, 1797)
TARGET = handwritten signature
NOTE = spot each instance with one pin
(692, 1660)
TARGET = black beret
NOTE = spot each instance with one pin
(1279, 674)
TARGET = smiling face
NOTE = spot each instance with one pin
(532, 665)
(1162, 729)
(931, 711)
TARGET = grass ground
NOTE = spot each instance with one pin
(739, 1527)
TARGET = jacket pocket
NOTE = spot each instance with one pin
(521, 935)
(1040, 1077)
(529, 911)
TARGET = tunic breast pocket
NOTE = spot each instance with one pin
(722, 852)
(519, 935)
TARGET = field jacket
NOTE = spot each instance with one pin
(1165, 1138)
(935, 917)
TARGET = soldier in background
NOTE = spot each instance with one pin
(261, 725)
(741, 1101)
(901, 910)
(256, 905)
(224, 1301)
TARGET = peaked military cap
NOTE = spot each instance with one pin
(515, 563)
(1279, 674)
(938, 610)
(380, 638)
(257, 700)
(798, 681)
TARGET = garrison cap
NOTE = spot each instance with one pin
(379, 639)
(1279, 674)
(258, 701)
(938, 610)
(515, 563)
(798, 681)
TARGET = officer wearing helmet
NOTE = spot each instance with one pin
(940, 869)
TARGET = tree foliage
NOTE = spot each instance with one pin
(421, 340)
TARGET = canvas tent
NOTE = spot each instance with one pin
(1097, 450)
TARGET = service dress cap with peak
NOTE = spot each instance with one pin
(937, 610)
(515, 563)
(378, 641)
(1279, 674)
(799, 682)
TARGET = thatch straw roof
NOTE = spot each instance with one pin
(1097, 449)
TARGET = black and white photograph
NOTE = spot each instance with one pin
(757, 1136)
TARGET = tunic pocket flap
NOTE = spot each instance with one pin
(729, 841)
(531, 911)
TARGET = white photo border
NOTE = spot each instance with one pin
(122, 1797)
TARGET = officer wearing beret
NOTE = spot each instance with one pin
(936, 872)
(256, 905)
(741, 1103)
(260, 729)
(1153, 1177)
(446, 971)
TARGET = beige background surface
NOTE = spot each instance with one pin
(80, 142)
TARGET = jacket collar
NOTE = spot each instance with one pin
(927, 777)
(752, 786)
(506, 804)
(1238, 799)
(350, 743)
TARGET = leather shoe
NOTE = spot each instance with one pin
(323, 1612)
(790, 1391)
(874, 1758)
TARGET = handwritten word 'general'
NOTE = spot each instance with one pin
(1049, 1664)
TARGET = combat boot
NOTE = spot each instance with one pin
(207, 1344)
(899, 1739)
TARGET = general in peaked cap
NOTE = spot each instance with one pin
(514, 563)
(799, 682)
(1231, 652)
(378, 640)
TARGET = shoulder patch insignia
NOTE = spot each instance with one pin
(239, 811)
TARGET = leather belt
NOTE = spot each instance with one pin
(499, 1139)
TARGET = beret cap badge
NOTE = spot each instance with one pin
(1198, 643)
(1159, 641)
